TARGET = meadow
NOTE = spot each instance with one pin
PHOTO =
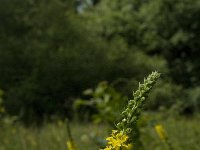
(184, 134)
(82, 60)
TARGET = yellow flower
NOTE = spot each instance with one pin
(117, 140)
(161, 132)
(70, 145)
(108, 148)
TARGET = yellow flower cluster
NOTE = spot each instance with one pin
(161, 132)
(117, 141)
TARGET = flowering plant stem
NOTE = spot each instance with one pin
(70, 142)
(127, 127)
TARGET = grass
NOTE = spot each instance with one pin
(184, 134)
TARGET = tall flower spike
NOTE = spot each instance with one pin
(70, 142)
(127, 135)
(133, 110)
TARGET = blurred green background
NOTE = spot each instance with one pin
(53, 50)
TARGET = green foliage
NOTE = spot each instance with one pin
(104, 100)
(16, 60)
(50, 53)
(56, 61)
(2, 109)
(193, 105)
(159, 27)
(5, 120)
(171, 28)
(165, 95)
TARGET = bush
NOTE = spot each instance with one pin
(193, 100)
(165, 94)
(103, 103)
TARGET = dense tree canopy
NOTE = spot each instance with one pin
(50, 51)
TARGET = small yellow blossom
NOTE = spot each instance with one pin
(161, 132)
(108, 148)
(70, 145)
(117, 141)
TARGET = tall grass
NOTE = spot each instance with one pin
(184, 134)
